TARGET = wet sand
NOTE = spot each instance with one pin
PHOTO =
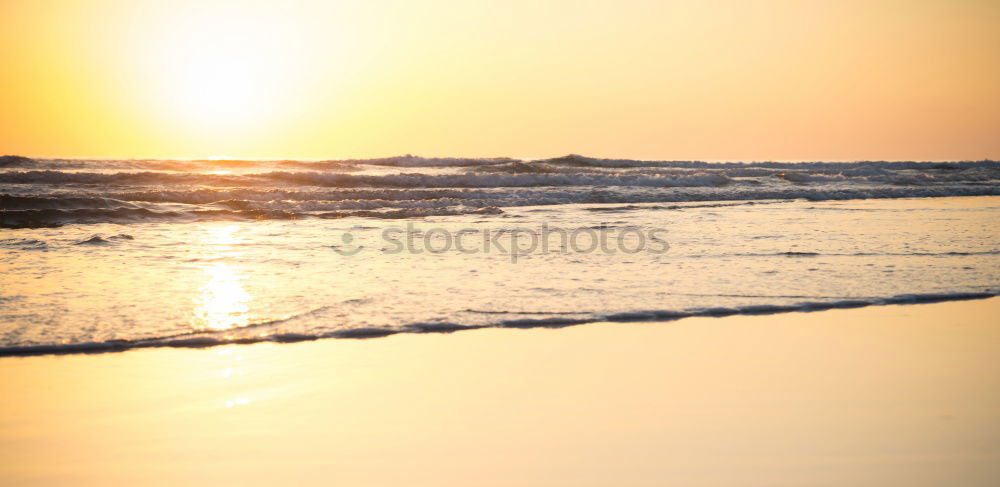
(890, 395)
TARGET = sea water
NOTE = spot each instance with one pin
(100, 255)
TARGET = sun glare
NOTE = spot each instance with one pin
(315, 79)
(223, 302)
(225, 68)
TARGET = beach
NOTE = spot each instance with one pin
(903, 395)
(500, 244)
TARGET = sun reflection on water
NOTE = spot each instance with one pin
(223, 302)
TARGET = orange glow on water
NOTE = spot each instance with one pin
(223, 302)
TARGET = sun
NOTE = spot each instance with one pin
(224, 66)
(222, 77)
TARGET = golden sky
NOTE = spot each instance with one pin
(710, 80)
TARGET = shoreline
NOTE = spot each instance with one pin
(195, 340)
(883, 395)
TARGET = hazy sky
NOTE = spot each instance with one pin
(711, 80)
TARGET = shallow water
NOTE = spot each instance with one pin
(184, 272)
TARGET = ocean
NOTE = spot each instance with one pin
(106, 255)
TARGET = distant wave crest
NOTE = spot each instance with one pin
(52, 192)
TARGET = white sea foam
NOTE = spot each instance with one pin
(221, 338)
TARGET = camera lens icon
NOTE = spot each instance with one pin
(346, 247)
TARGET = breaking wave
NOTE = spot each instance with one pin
(52, 192)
